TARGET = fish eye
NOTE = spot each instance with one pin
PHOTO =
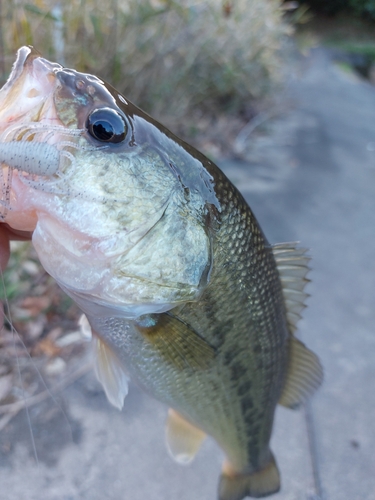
(106, 125)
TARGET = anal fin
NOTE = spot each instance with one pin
(183, 438)
(234, 486)
(304, 375)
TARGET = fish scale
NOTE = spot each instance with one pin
(166, 259)
(255, 314)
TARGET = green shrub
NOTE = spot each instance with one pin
(363, 8)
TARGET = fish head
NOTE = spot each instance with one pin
(119, 206)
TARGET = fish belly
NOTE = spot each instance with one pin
(227, 399)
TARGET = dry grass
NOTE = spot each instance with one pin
(178, 60)
(41, 342)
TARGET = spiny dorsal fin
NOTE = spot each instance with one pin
(292, 265)
(183, 438)
(110, 373)
(304, 375)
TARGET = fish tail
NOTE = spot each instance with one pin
(236, 486)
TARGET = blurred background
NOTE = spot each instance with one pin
(282, 96)
(205, 68)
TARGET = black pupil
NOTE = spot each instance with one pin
(103, 130)
(106, 125)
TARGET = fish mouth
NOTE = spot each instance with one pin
(25, 55)
(28, 91)
(26, 99)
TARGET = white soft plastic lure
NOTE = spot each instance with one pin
(36, 158)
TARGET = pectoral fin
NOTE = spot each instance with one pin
(110, 373)
(304, 375)
(176, 341)
(183, 438)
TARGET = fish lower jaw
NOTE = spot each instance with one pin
(14, 207)
(25, 221)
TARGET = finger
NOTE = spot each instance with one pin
(15, 234)
(4, 247)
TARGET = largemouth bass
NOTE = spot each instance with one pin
(166, 259)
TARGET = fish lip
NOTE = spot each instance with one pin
(22, 55)
(25, 55)
(31, 84)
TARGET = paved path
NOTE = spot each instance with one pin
(312, 179)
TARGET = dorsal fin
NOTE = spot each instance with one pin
(292, 265)
(305, 373)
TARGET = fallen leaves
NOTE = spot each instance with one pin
(32, 306)
(41, 339)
